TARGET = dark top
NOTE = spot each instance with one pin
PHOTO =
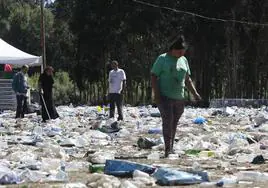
(46, 83)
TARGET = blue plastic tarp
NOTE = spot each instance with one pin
(125, 168)
(166, 176)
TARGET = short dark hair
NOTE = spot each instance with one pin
(114, 61)
(49, 68)
(178, 44)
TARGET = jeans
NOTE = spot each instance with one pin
(117, 99)
(21, 106)
(171, 111)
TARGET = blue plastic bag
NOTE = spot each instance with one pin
(155, 131)
(8, 177)
(200, 120)
(166, 176)
(125, 168)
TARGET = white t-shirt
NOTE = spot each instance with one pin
(116, 78)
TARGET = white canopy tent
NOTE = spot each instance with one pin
(17, 58)
(14, 56)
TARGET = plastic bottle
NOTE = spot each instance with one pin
(139, 125)
(207, 184)
(253, 176)
(245, 158)
(192, 152)
(62, 166)
(153, 156)
(227, 181)
(155, 131)
(62, 175)
(196, 166)
(207, 154)
(96, 168)
(38, 131)
(138, 173)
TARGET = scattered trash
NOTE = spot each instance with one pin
(148, 143)
(227, 182)
(100, 157)
(253, 176)
(258, 160)
(229, 111)
(154, 156)
(200, 120)
(171, 177)
(8, 177)
(125, 168)
(227, 138)
(155, 131)
(96, 168)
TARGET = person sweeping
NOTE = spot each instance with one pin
(46, 82)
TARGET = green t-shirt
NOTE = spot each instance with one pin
(171, 73)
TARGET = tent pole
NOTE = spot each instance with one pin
(43, 38)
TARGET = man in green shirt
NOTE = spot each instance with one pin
(170, 75)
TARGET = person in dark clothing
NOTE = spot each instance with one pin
(20, 87)
(45, 88)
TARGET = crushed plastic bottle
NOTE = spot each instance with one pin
(253, 176)
(62, 175)
(37, 133)
(227, 182)
(207, 154)
(138, 173)
(155, 131)
(153, 156)
(96, 168)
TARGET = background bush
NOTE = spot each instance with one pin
(63, 88)
(33, 81)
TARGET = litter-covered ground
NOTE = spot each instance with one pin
(83, 148)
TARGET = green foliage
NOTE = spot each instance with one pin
(33, 81)
(63, 88)
(226, 59)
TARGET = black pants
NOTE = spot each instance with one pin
(48, 99)
(171, 111)
(21, 106)
(117, 99)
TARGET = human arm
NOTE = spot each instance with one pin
(124, 87)
(190, 86)
(155, 74)
(124, 83)
(15, 83)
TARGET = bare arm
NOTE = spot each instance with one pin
(124, 87)
(155, 88)
(190, 86)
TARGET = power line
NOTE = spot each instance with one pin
(199, 15)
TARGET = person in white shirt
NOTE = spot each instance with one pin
(117, 85)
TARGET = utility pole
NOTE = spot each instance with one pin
(43, 38)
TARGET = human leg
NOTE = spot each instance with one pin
(178, 109)
(119, 105)
(25, 106)
(19, 106)
(112, 104)
(165, 109)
